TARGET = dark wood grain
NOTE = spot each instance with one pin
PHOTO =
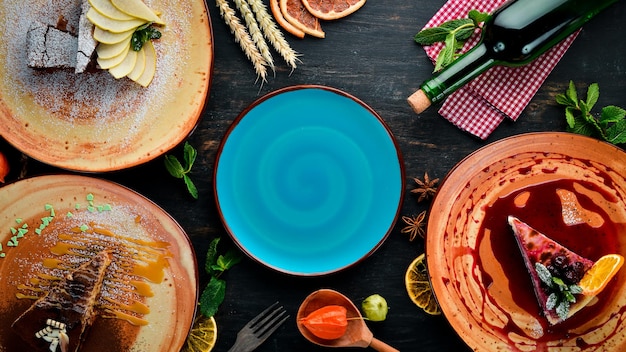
(371, 55)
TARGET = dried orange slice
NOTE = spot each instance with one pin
(203, 335)
(333, 9)
(599, 275)
(418, 286)
(296, 14)
(280, 19)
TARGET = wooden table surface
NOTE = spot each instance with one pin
(370, 54)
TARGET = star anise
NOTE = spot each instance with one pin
(415, 225)
(426, 188)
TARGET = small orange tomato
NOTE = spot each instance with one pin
(4, 167)
(329, 322)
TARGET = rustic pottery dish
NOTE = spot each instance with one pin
(91, 121)
(308, 180)
(67, 220)
(357, 333)
(475, 267)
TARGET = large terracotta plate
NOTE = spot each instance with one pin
(150, 290)
(570, 187)
(90, 121)
(309, 180)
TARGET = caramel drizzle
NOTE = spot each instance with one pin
(137, 262)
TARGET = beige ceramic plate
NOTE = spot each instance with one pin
(150, 290)
(92, 122)
(475, 267)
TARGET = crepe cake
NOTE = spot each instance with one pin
(538, 248)
(64, 314)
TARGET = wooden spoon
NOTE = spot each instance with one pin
(357, 334)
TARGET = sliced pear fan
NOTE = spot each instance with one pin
(115, 21)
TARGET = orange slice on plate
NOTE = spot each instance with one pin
(599, 275)
(280, 19)
(332, 10)
(296, 14)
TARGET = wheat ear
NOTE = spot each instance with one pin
(273, 34)
(255, 32)
(243, 38)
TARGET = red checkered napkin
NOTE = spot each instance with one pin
(483, 103)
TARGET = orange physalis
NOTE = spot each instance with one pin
(329, 322)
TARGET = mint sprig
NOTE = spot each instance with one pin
(453, 34)
(181, 170)
(215, 265)
(142, 34)
(561, 294)
(610, 125)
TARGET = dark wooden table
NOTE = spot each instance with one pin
(371, 55)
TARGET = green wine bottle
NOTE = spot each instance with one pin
(515, 34)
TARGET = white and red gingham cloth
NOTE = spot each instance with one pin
(482, 104)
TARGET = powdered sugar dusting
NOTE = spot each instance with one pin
(112, 107)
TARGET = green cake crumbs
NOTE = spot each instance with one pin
(18, 232)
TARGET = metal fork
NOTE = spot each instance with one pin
(253, 334)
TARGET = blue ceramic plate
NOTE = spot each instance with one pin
(309, 180)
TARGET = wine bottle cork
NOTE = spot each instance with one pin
(419, 101)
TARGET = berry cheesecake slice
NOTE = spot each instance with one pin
(555, 272)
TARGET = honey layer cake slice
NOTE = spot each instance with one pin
(67, 310)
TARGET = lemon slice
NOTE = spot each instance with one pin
(202, 336)
(418, 287)
(599, 275)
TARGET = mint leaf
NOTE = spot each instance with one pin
(229, 259)
(478, 17)
(593, 92)
(616, 134)
(544, 274)
(609, 126)
(174, 166)
(571, 93)
(612, 114)
(212, 297)
(453, 34)
(191, 187)
(552, 301)
(562, 309)
(190, 155)
(211, 255)
(179, 170)
(430, 36)
(142, 35)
